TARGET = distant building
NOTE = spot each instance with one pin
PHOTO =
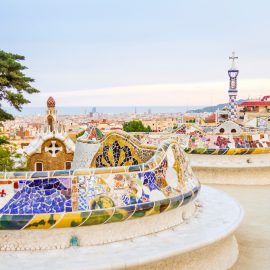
(52, 149)
(254, 108)
(222, 115)
(210, 119)
(189, 118)
(160, 124)
(228, 127)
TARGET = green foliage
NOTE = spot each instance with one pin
(6, 161)
(13, 83)
(80, 134)
(3, 140)
(148, 129)
(8, 155)
(135, 126)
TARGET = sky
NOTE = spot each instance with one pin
(139, 53)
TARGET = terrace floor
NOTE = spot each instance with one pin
(253, 235)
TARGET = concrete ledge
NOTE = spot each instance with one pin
(233, 176)
(204, 242)
(215, 160)
(232, 170)
(47, 239)
(221, 255)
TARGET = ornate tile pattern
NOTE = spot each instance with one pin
(119, 186)
(228, 144)
(117, 152)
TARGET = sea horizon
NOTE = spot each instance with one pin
(78, 110)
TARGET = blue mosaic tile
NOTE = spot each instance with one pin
(39, 196)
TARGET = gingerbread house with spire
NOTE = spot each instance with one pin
(52, 149)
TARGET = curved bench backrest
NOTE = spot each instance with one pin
(116, 150)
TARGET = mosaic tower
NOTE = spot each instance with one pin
(51, 113)
(233, 73)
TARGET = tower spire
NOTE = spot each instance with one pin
(233, 73)
(233, 57)
(51, 114)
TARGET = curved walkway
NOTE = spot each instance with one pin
(253, 235)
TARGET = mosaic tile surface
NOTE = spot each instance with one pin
(118, 185)
(228, 144)
(198, 142)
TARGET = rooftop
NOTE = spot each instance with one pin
(258, 102)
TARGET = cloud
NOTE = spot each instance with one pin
(184, 94)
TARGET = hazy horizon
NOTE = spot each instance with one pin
(77, 110)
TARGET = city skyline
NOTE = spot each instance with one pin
(148, 54)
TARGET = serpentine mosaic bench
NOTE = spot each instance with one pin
(120, 181)
(218, 144)
(211, 144)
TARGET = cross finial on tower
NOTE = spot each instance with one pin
(233, 57)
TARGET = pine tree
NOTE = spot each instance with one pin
(13, 83)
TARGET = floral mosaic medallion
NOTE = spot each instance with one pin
(115, 152)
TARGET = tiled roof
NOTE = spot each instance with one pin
(254, 103)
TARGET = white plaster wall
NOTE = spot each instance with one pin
(84, 154)
(228, 126)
